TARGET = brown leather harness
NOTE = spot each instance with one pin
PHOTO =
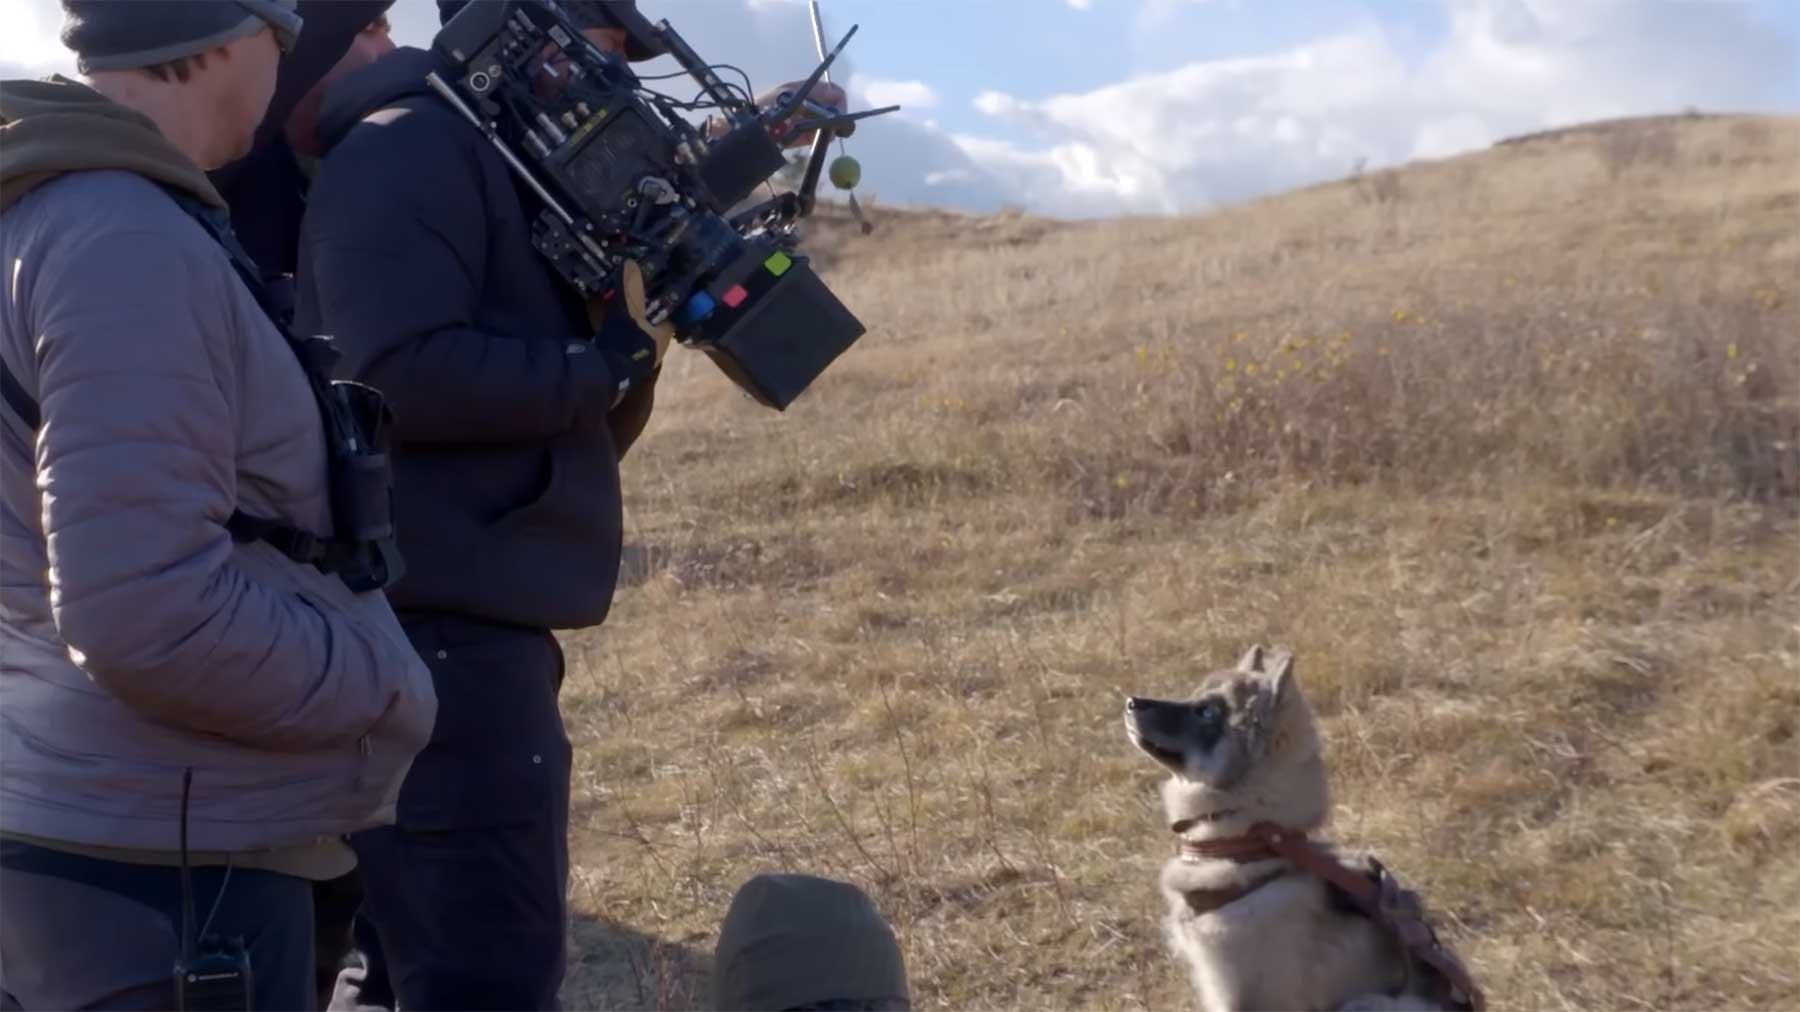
(1376, 893)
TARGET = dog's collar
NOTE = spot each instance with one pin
(1205, 901)
(1262, 842)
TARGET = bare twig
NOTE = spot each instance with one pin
(985, 791)
(812, 768)
(912, 790)
(643, 840)
(730, 793)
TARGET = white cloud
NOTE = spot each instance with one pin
(949, 176)
(878, 92)
(30, 46)
(1076, 178)
(1081, 5)
(996, 103)
(1441, 138)
(1230, 129)
(1215, 130)
(1154, 14)
(904, 160)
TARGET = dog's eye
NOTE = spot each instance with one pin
(1211, 712)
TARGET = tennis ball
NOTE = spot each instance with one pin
(846, 172)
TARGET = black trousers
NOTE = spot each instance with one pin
(464, 897)
(335, 903)
(82, 933)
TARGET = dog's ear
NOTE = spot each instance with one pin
(1252, 661)
(1281, 675)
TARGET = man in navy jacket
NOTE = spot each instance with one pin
(513, 405)
(514, 402)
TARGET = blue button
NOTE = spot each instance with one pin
(699, 307)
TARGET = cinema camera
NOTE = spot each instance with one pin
(624, 176)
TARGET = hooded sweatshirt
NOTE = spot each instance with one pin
(267, 188)
(58, 126)
(137, 639)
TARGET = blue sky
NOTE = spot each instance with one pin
(1101, 107)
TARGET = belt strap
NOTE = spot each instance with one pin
(297, 544)
(361, 565)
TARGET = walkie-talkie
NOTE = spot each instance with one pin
(216, 978)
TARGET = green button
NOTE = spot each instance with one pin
(778, 264)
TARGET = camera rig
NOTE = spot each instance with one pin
(624, 176)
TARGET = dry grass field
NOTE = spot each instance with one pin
(1505, 447)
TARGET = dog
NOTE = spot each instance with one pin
(1264, 912)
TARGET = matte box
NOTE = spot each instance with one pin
(786, 338)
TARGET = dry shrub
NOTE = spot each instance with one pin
(1380, 187)
(1631, 148)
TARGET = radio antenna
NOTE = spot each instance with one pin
(818, 27)
(852, 170)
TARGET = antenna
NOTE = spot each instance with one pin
(851, 170)
(818, 26)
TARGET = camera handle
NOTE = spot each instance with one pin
(815, 162)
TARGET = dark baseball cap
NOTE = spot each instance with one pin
(640, 37)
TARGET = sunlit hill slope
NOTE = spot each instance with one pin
(1503, 446)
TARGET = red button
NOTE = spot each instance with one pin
(736, 296)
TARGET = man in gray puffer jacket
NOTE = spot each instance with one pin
(155, 670)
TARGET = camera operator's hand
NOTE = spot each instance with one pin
(624, 337)
(632, 285)
(824, 93)
(633, 301)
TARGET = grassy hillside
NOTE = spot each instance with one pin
(1506, 447)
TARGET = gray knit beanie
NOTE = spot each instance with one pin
(127, 34)
(795, 941)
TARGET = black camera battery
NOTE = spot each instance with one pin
(773, 330)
